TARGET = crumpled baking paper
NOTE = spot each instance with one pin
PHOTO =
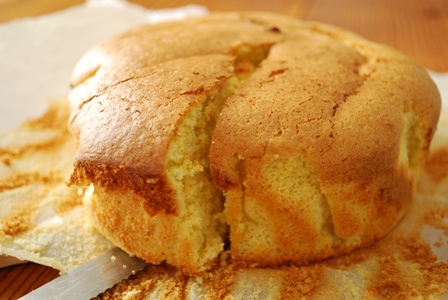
(38, 54)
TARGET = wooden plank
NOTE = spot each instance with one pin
(417, 28)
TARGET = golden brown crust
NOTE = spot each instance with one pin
(159, 196)
(140, 97)
(316, 151)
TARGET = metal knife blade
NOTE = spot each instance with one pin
(91, 278)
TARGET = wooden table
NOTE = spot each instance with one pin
(416, 27)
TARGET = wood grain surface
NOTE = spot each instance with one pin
(418, 28)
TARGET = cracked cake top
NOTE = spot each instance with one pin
(318, 140)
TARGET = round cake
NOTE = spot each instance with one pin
(278, 140)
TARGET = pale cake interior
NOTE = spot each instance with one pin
(411, 140)
(202, 204)
(295, 179)
(187, 165)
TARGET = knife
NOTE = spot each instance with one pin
(91, 278)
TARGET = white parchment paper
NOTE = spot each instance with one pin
(37, 55)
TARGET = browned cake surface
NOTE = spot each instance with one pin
(316, 148)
